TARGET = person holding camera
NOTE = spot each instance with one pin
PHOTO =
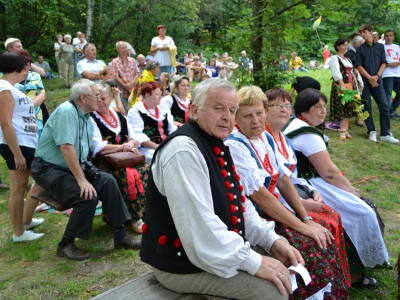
(62, 168)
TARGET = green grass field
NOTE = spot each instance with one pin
(33, 271)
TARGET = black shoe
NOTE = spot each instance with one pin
(72, 252)
(127, 243)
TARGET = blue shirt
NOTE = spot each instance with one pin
(66, 125)
(370, 57)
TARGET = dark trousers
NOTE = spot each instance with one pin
(392, 84)
(380, 98)
(62, 186)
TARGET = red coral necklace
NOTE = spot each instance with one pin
(265, 162)
(282, 147)
(155, 115)
(113, 122)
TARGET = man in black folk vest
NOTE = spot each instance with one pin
(199, 228)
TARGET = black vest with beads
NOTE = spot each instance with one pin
(177, 112)
(161, 246)
(151, 129)
(109, 135)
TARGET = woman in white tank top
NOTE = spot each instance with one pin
(18, 141)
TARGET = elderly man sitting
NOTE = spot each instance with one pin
(199, 227)
(60, 167)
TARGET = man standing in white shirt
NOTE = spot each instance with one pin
(200, 228)
(391, 75)
(89, 67)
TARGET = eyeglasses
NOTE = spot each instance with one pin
(94, 96)
(280, 106)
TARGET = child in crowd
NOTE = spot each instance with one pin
(164, 81)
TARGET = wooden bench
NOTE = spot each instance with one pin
(143, 287)
(49, 200)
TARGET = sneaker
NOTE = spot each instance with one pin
(388, 139)
(372, 136)
(393, 117)
(27, 236)
(396, 114)
(34, 223)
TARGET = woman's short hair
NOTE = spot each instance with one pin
(177, 81)
(278, 94)
(105, 88)
(59, 35)
(214, 61)
(11, 62)
(357, 40)
(81, 87)
(250, 95)
(161, 26)
(200, 92)
(67, 36)
(149, 87)
(152, 64)
(340, 42)
(104, 70)
(307, 98)
(82, 35)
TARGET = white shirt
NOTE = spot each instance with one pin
(92, 66)
(335, 68)
(162, 56)
(168, 101)
(23, 117)
(392, 55)
(136, 124)
(180, 173)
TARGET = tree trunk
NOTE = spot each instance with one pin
(89, 20)
(3, 22)
(256, 42)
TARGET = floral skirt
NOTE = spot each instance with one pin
(330, 219)
(337, 111)
(134, 204)
(324, 266)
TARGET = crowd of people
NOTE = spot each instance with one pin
(234, 187)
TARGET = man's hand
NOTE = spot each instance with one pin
(87, 190)
(286, 254)
(273, 270)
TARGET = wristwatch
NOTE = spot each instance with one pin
(308, 218)
(379, 75)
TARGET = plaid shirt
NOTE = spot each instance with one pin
(126, 70)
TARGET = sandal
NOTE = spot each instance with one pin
(342, 134)
(362, 124)
(372, 282)
(348, 136)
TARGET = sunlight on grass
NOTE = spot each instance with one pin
(33, 271)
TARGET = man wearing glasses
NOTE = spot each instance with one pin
(62, 168)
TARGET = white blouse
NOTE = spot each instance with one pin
(335, 68)
(136, 124)
(252, 177)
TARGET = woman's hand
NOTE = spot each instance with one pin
(356, 192)
(20, 162)
(115, 91)
(311, 205)
(129, 146)
(322, 236)
(178, 124)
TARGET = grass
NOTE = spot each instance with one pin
(33, 271)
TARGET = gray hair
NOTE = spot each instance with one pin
(104, 88)
(82, 86)
(117, 44)
(200, 92)
(67, 36)
(357, 40)
(152, 64)
(59, 35)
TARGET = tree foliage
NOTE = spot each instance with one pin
(264, 28)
